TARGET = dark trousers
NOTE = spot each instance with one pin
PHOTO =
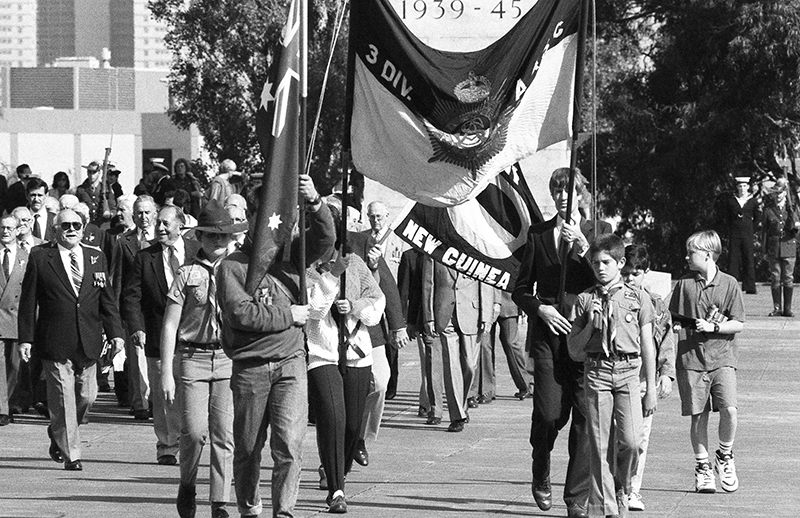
(558, 392)
(391, 357)
(338, 405)
(742, 261)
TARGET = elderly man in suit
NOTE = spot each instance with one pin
(558, 381)
(144, 297)
(387, 337)
(456, 309)
(65, 306)
(125, 249)
(13, 261)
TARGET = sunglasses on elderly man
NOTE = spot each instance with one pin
(74, 225)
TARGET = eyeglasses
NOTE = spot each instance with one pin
(10, 229)
(74, 225)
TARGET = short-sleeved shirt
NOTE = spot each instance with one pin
(692, 298)
(195, 290)
(631, 310)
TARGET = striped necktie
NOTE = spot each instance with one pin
(75, 271)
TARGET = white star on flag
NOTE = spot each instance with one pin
(274, 221)
(266, 95)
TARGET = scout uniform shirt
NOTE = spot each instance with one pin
(629, 309)
(195, 290)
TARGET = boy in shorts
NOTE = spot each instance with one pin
(637, 264)
(612, 334)
(711, 301)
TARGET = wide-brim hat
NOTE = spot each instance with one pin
(215, 219)
(160, 167)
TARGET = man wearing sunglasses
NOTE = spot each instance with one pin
(65, 306)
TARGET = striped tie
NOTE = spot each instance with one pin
(75, 272)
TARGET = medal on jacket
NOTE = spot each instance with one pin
(99, 279)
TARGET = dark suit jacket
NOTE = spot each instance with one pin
(65, 322)
(144, 293)
(10, 292)
(448, 294)
(409, 284)
(98, 238)
(122, 259)
(542, 266)
(393, 319)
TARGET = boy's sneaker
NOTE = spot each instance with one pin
(726, 469)
(704, 478)
(635, 502)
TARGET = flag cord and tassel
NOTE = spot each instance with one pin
(576, 126)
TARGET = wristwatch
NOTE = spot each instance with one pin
(716, 328)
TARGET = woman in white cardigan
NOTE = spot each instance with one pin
(337, 396)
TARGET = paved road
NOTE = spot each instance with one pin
(421, 471)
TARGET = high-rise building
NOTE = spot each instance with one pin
(137, 39)
(86, 27)
(18, 33)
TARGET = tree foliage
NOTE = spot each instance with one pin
(690, 94)
(222, 51)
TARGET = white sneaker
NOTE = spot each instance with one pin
(704, 478)
(635, 502)
(726, 469)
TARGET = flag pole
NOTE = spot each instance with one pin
(346, 164)
(576, 127)
(301, 217)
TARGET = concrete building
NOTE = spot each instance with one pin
(58, 119)
(86, 27)
(18, 33)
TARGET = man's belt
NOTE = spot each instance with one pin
(203, 347)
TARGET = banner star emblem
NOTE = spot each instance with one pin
(266, 95)
(274, 221)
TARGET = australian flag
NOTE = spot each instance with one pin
(278, 129)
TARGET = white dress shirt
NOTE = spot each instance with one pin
(180, 254)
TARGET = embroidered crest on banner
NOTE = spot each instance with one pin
(473, 129)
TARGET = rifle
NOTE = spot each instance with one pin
(105, 207)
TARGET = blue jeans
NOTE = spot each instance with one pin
(614, 417)
(269, 394)
(207, 415)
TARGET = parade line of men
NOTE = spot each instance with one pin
(213, 363)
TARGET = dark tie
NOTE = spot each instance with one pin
(173, 261)
(75, 271)
(6, 264)
(37, 229)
